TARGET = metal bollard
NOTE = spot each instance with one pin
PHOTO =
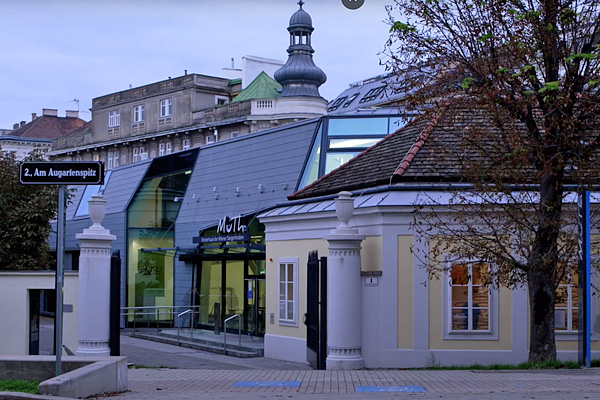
(217, 318)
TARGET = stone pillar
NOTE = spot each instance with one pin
(94, 283)
(344, 309)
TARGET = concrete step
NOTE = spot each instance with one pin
(234, 350)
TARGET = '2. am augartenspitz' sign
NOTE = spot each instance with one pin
(62, 173)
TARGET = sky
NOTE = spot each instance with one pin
(53, 52)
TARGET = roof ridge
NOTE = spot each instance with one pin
(414, 150)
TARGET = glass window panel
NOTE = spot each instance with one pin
(290, 292)
(481, 296)
(460, 319)
(282, 312)
(290, 310)
(396, 123)
(480, 273)
(282, 291)
(282, 273)
(574, 297)
(481, 319)
(290, 275)
(335, 160)
(560, 319)
(460, 274)
(562, 295)
(311, 172)
(575, 319)
(460, 296)
(358, 126)
(359, 143)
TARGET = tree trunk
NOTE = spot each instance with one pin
(541, 268)
(542, 346)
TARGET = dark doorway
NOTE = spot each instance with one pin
(41, 321)
(315, 318)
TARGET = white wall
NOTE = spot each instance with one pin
(14, 308)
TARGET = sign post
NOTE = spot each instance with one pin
(584, 272)
(61, 173)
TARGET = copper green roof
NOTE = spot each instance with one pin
(262, 87)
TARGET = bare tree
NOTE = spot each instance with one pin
(532, 67)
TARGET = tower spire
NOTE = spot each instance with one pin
(300, 76)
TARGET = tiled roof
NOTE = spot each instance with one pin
(262, 87)
(49, 127)
(429, 149)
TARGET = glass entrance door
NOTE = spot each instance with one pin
(232, 287)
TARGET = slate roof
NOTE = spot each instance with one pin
(262, 87)
(429, 149)
(49, 127)
(370, 94)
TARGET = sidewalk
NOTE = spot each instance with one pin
(202, 375)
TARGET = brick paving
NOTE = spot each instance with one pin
(216, 376)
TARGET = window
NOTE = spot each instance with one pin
(235, 134)
(161, 149)
(135, 154)
(114, 118)
(470, 303)
(186, 144)
(110, 160)
(139, 114)
(221, 100)
(351, 99)
(288, 291)
(566, 313)
(210, 139)
(169, 148)
(166, 107)
(337, 103)
(116, 160)
(372, 94)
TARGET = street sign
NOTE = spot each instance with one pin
(62, 173)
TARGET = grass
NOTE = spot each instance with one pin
(557, 364)
(23, 386)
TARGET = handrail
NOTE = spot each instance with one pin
(225, 331)
(178, 325)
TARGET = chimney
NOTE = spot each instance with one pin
(49, 112)
(33, 116)
(72, 114)
(23, 123)
(15, 127)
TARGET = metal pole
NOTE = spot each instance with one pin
(583, 211)
(60, 259)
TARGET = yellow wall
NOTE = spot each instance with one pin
(371, 254)
(14, 308)
(291, 249)
(405, 293)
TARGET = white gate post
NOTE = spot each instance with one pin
(94, 283)
(344, 312)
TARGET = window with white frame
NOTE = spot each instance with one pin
(135, 154)
(110, 160)
(161, 149)
(139, 113)
(116, 160)
(114, 118)
(566, 311)
(168, 150)
(186, 144)
(288, 291)
(210, 139)
(166, 108)
(469, 300)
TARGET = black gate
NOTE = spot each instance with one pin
(315, 318)
(115, 304)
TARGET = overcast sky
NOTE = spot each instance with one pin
(55, 51)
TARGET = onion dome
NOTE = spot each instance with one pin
(300, 76)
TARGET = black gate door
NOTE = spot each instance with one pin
(34, 322)
(315, 318)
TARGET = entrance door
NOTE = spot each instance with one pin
(315, 318)
(235, 287)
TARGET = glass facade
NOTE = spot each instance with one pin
(151, 220)
(338, 140)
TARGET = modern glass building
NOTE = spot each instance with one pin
(186, 223)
